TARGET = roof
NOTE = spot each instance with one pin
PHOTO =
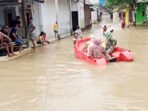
(90, 2)
(41, 1)
(142, 1)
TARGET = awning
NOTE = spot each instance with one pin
(41, 1)
(91, 2)
(9, 2)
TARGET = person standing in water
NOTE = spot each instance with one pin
(31, 29)
(56, 30)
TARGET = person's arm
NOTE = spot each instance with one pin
(14, 35)
(5, 36)
(32, 28)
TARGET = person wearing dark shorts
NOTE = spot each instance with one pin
(15, 38)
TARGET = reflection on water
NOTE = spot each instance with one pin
(52, 79)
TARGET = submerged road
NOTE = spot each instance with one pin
(52, 79)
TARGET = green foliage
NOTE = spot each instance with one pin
(121, 4)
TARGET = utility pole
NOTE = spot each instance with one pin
(24, 19)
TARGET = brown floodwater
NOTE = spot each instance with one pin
(52, 79)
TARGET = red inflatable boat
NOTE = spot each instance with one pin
(120, 54)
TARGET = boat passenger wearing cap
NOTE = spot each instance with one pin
(97, 51)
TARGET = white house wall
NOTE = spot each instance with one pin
(74, 6)
(94, 16)
(36, 18)
(48, 17)
(64, 17)
(79, 6)
(81, 15)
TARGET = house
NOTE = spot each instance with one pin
(82, 13)
(44, 14)
(68, 14)
(142, 12)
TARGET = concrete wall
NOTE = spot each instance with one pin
(81, 15)
(79, 6)
(64, 17)
(87, 15)
(49, 15)
(2, 17)
(37, 18)
(94, 16)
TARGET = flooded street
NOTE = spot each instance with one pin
(52, 79)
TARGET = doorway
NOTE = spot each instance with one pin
(9, 15)
(75, 20)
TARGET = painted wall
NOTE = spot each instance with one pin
(139, 15)
(127, 16)
(48, 17)
(2, 9)
(79, 6)
(64, 17)
(81, 15)
(94, 16)
(36, 18)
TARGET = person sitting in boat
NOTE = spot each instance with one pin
(88, 44)
(110, 42)
(97, 51)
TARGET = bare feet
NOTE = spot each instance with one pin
(14, 54)
(9, 55)
(33, 48)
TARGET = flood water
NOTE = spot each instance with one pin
(52, 79)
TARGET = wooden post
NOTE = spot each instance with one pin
(24, 19)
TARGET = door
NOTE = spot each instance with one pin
(75, 20)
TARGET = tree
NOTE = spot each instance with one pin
(113, 4)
